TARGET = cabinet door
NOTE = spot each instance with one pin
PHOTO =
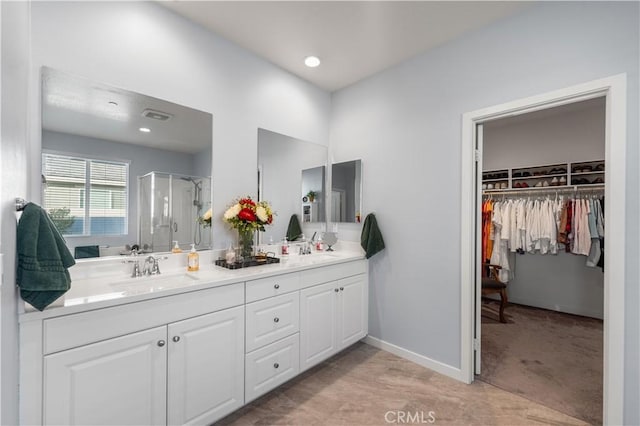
(352, 310)
(317, 324)
(206, 367)
(120, 381)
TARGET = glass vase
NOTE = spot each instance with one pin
(245, 242)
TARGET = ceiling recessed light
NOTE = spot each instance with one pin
(144, 129)
(312, 61)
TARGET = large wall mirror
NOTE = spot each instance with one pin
(346, 191)
(292, 177)
(121, 169)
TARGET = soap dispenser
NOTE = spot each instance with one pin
(176, 248)
(193, 259)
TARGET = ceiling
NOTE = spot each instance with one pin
(86, 108)
(353, 39)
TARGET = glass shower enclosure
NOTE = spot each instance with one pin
(169, 206)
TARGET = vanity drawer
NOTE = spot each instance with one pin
(272, 286)
(269, 367)
(88, 327)
(272, 319)
(326, 274)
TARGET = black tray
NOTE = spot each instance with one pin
(252, 261)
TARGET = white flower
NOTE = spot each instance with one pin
(207, 215)
(232, 212)
(262, 214)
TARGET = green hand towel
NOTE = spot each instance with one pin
(43, 259)
(371, 239)
(294, 231)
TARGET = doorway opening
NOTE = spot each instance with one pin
(613, 90)
(542, 185)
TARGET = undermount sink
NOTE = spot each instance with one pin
(157, 280)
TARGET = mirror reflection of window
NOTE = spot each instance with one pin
(85, 196)
(346, 188)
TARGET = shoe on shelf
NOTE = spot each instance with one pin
(503, 185)
(563, 180)
(538, 185)
(545, 183)
(555, 181)
(524, 185)
(517, 185)
(599, 168)
(598, 180)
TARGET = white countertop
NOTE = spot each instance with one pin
(102, 283)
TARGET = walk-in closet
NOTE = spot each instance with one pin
(543, 243)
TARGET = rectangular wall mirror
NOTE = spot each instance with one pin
(292, 177)
(121, 169)
(346, 191)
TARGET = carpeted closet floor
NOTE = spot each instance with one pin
(548, 357)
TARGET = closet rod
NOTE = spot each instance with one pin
(547, 190)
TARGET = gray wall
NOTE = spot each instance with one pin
(405, 124)
(563, 282)
(14, 122)
(142, 160)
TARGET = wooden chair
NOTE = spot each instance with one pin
(491, 284)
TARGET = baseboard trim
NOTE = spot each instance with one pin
(447, 370)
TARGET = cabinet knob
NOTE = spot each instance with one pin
(161, 343)
(276, 365)
(276, 319)
(336, 290)
(176, 338)
(341, 288)
(276, 286)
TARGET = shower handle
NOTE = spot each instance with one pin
(175, 226)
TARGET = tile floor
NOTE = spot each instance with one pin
(366, 386)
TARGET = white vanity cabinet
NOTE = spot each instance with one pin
(172, 360)
(332, 316)
(187, 372)
(189, 357)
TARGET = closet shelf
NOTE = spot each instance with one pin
(569, 172)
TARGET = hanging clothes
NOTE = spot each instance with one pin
(541, 226)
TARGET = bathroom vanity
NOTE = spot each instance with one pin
(186, 347)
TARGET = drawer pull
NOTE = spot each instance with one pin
(336, 290)
(176, 339)
(341, 288)
(276, 319)
(276, 286)
(276, 365)
(161, 343)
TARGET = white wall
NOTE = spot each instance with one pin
(405, 124)
(562, 282)
(14, 121)
(145, 48)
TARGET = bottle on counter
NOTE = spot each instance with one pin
(230, 256)
(176, 248)
(284, 249)
(193, 259)
(319, 244)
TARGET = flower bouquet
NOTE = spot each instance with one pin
(205, 219)
(247, 217)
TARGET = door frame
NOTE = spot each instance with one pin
(614, 89)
